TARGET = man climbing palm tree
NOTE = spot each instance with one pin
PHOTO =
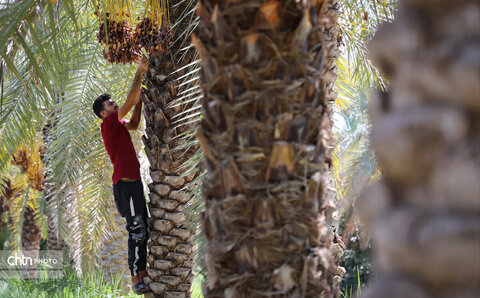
(127, 184)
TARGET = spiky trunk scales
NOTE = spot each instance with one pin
(114, 247)
(268, 72)
(30, 240)
(171, 251)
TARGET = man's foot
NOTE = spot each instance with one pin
(141, 288)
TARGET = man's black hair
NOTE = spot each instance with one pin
(98, 104)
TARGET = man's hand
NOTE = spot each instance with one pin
(133, 96)
(143, 66)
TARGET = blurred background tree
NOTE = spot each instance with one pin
(424, 213)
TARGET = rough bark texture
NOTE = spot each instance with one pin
(31, 236)
(31, 232)
(170, 251)
(170, 258)
(54, 242)
(31, 164)
(6, 193)
(425, 212)
(114, 252)
(268, 69)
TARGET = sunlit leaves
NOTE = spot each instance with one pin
(53, 71)
(358, 23)
(354, 162)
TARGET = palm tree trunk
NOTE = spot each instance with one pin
(114, 247)
(268, 72)
(30, 240)
(29, 160)
(170, 257)
(170, 251)
(3, 198)
(31, 232)
(54, 242)
(425, 134)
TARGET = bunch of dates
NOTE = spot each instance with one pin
(156, 39)
(119, 41)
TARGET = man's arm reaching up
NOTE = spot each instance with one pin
(133, 96)
(135, 119)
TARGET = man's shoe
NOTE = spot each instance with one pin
(141, 288)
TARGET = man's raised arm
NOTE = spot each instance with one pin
(135, 119)
(134, 94)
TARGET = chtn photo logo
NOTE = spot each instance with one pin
(27, 259)
(31, 264)
(19, 260)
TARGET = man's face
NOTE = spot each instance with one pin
(109, 106)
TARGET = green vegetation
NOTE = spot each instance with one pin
(356, 261)
(70, 285)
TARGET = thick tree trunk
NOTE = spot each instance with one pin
(31, 232)
(31, 237)
(171, 255)
(170, 251)
(5, 194)
(31, 164)
(54, 241)
(425, 212)
(114, 251)
(54, 238)
(268, 72)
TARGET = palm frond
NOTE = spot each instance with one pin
(353, 162)
(59, 62)
(358, 23)
(188, 20)
(21, 115)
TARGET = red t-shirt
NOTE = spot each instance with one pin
(120, 148)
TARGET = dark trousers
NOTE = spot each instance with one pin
(130, 202)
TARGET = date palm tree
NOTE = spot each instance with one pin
(20, 198)
(425, 211)
(23, 205)
(268, 70)
(31, 164)
(13, 184)
(171, 101)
